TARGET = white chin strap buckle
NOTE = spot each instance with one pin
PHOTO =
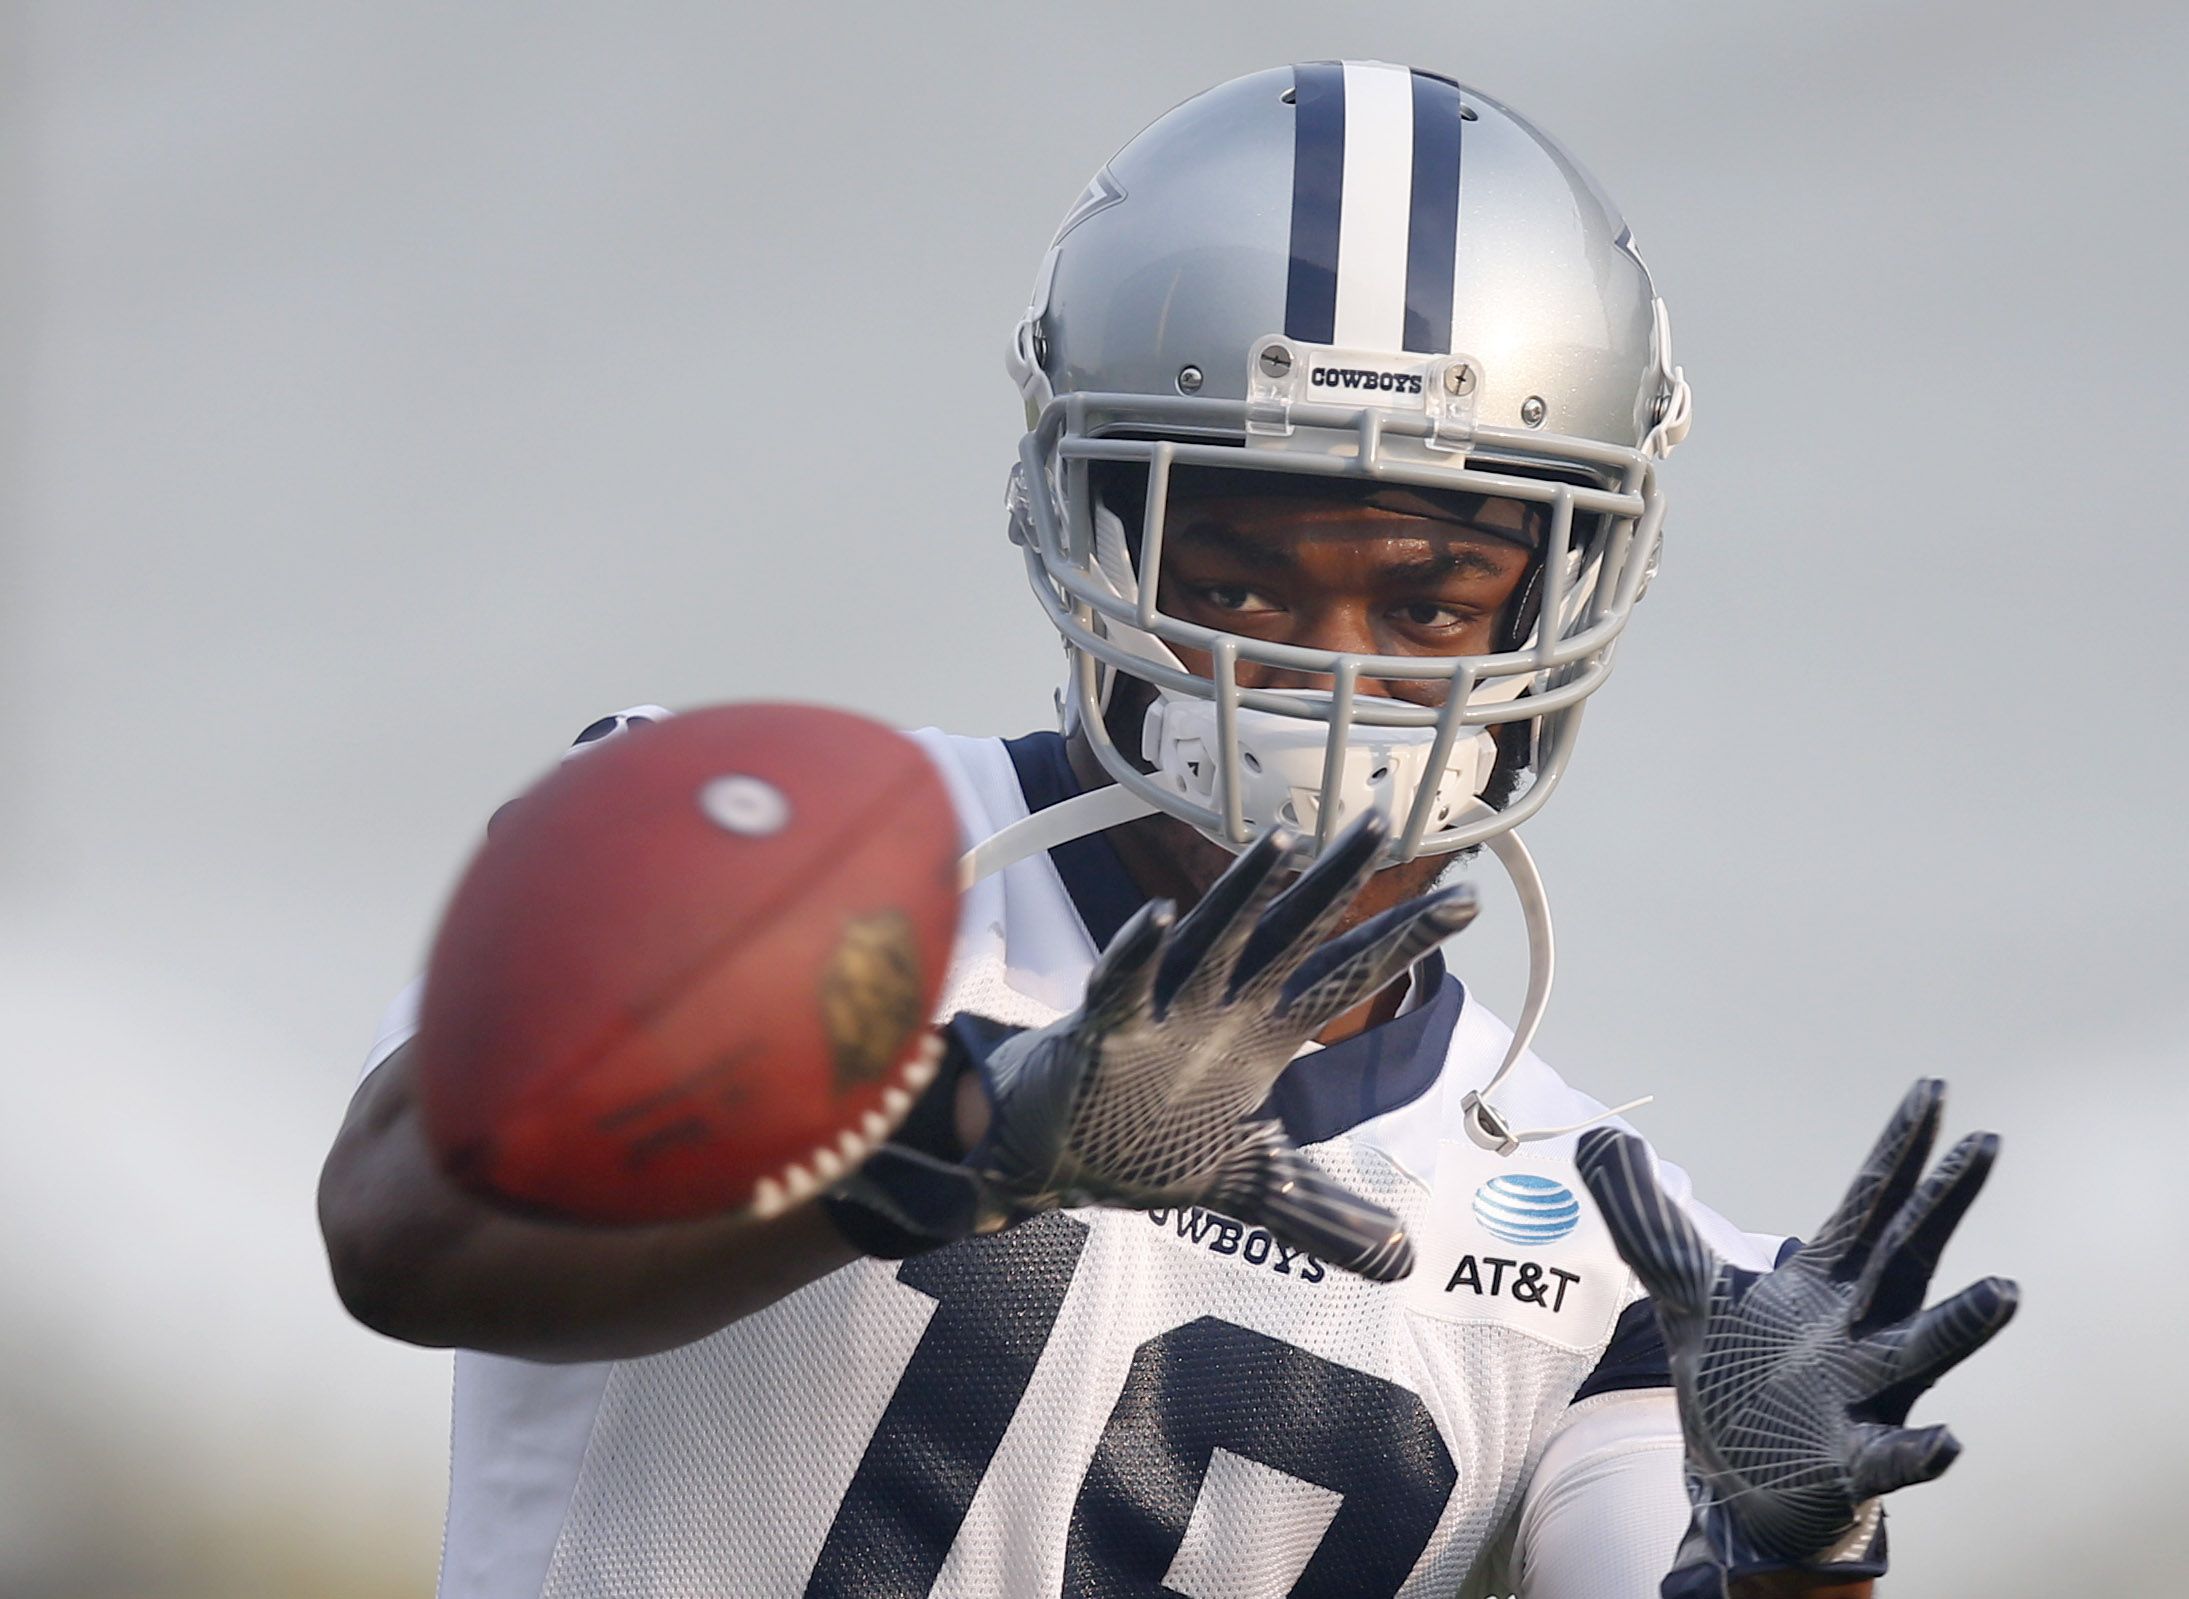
(1486, 1126)
(1279, 774)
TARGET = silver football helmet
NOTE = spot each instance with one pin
(1341, 271)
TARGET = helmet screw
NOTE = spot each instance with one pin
(1459, 379)
(1276, 361)
(1189, 380)
(1532, 410)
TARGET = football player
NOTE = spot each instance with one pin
(1236, 1249)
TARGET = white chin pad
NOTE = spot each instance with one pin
(1280, 764)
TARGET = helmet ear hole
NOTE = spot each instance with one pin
(1246, 759)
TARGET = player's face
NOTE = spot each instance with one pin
(1351, 578)
(1324, 575)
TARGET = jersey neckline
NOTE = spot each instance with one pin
(1321, 1094)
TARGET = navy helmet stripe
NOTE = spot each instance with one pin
(1318, 182)
(1432, 232)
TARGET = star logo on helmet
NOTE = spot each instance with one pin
(1102, 191)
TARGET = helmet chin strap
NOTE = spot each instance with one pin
(1486, 1125)
(1095, 811)
(1108, 806)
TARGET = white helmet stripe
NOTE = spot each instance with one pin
(1377, 207)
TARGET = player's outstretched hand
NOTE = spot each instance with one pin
(1145, 1096)
(1794, 1385)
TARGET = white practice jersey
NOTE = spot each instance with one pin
(1105, 1402)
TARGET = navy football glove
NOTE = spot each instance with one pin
(1794, 1385)
(1143, 1097)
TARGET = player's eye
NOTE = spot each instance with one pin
(1433, 615)
(1235, 598)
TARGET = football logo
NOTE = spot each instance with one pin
(1522, 1208)
(870, 997)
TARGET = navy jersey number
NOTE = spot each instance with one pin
(1213, 1384)
(1207, 1385)
(942, 1425)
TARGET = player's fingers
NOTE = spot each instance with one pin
(1924, 1349)
(1887, 1176)
(1215, 929)
(1119, 986)
(1304, 914)
(1268, 1183)
(1359, 963)
(1898, 1457)
(1652, 1234)
(1898, 1273)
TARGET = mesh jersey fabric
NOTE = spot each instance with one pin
(1096, 1402)
(1607, 1505)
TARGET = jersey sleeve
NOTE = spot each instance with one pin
(399, 1022)
(1606, 1508)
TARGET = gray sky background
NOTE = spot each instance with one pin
(391, 389)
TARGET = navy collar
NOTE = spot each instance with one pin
(1322, 1093)
(1102, 891)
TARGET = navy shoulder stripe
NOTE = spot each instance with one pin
(1100, 888)
(1635, 1358)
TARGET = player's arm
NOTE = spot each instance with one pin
(1607, 1503)
(1093, 1109)
(419, 1259)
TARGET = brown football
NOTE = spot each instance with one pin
(692, 971)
